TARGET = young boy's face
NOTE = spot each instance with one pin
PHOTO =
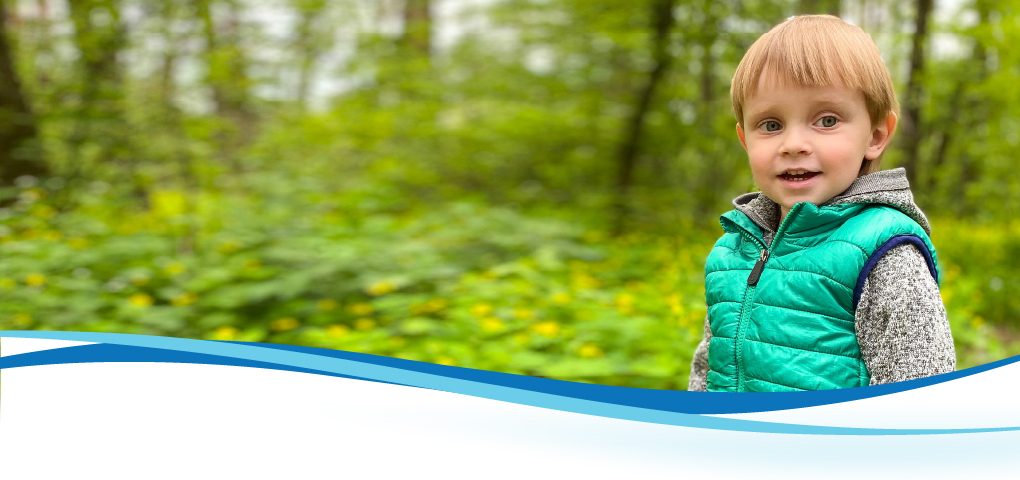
(806, 144)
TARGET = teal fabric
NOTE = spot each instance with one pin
(794, 330)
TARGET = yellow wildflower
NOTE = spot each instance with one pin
(481, 310)
(548, 329)
(22, 320)
(327, 304)
(361, 308)
(44, 211)
(284, 324)
(444, 360)
(78, 243)
(492, 324)
(582, 281)
(437, 304)
(54, 235)
(252, 264)
(561, 298)
(139, 280)
(140, 300)
(674, 304)
(225, 333)
(380, 288)
(174, 268)
(590, 351)
(364, 324)
(35, 280)
(977, 322)
(524, 314)
(230, 246)
(624, 303)
(398, 342)
(431, 306)
(7, 283)
(184, 299)
(337, 331)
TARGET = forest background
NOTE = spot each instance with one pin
(527, 186)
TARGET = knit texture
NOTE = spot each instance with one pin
(900, 322)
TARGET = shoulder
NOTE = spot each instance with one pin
(879, 229)
(876, 221)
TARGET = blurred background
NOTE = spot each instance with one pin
(526, 186)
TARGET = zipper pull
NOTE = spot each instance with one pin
(758, 267)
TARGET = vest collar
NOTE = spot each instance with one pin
(887, 187)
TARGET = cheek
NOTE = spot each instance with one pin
(759, 159)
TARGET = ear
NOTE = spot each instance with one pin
(880, 136)
(740, 135)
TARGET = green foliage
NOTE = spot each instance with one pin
(467, 285)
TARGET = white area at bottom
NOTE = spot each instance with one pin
(152, 420)
(15, 346)
(983, 400)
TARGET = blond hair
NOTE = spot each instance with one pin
(817, 50)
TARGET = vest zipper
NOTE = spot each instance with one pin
(752, 285)
(752, 280)
(745, 309)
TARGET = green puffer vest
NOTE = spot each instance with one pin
(782, 317)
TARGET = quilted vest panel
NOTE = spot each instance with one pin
(782, 317)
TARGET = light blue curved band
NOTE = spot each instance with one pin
(489, 390)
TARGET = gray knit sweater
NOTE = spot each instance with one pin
(900, 321)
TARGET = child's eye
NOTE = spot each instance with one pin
(827, 121)
(770, 126)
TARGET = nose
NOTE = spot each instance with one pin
(795, 142)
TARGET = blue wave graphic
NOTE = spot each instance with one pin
(679, 408)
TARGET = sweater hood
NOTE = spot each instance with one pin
(887, 187)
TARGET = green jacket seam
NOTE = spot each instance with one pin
(806, 311)
(814, 273)
(802, 349)
(776, 383)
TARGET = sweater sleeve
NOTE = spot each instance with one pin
(699, 365)
(901, 322)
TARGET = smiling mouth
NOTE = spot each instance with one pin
(798, 177)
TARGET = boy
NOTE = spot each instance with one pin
(826, 278)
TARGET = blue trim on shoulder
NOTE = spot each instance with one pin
(882, 250)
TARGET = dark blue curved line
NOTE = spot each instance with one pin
(665, 400)
(111, 353)
(882, 250)
(657, 400)
(122, 353)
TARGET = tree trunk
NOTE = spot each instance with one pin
(227, 79)
(911, 129)
(627, 158)
(99, 119)
(19, 144)
(309, 44)
(417, 35)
